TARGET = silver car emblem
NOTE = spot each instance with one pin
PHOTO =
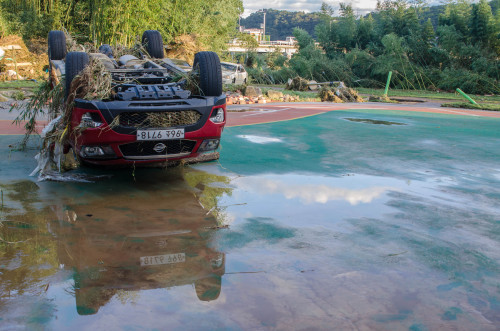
(159, 147)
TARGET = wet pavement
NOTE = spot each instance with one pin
(352, 219)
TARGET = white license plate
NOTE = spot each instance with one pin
(163, 259)
(160, 134)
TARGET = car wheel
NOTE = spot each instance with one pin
(207, 64)
(106, 50)
(57, 45)
(75, 63)
(153, 43)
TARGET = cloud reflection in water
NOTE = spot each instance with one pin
(311, 192)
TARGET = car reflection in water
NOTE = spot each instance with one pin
(157, 239)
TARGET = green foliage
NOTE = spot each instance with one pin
(247, 41)
(3, 25)
(280, 23)
(468, 105)
(482, 24)
(120, 21)
(18, 95)
(461, 48)
(467, 81)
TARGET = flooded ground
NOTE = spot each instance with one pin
(360, 219)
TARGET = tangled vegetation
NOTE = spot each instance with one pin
(210, 22)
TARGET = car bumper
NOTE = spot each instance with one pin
(122, 148)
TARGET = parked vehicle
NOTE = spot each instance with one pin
(233, 73)
(150, 117)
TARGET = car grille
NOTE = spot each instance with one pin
(159, 119)
(146, 149)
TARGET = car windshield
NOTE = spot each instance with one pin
(228, 67)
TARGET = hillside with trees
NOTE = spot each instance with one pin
(280, 23)
(462, 51)
(208, 22)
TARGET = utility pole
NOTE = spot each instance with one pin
(264, 25)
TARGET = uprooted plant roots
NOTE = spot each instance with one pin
(339, 94)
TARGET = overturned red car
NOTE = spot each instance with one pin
(151, 116)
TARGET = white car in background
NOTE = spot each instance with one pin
(233, 73)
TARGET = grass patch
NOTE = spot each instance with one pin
(300, 94)
(19, 95)
(482, 106)
(427, 94)
(19, 84)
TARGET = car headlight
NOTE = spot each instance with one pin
(90, 120)
(99, 152)
(208, 145)
(217, 115)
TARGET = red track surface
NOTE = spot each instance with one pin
(7, 127)
(282, 112)
(259, 113)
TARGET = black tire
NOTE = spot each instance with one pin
(153, 43)
(210, 74)
(75, 63)
(57, 45)
(106, 50)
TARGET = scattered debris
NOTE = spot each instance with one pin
(30, 65)
(396, 254)
(12, 75)
(160, 120)
(338, 92)
(297, 84)
(217, 227)
(274, 95)
(184, 47)
(313, 86)
(382, 98)
(252, 91)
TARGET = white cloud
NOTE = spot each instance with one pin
(360, 6)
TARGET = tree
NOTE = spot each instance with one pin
(457, 14)
(346, 27)
(482, 23)
(248, 42)
(366, 32)
(211, 22)
(428, 33)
